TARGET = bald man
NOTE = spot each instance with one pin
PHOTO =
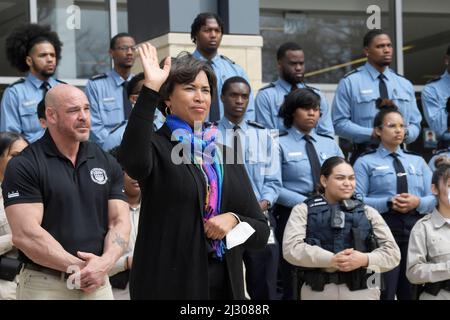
(64, 200)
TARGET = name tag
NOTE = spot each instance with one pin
(382, 168)
(29, 103)
(109, 99)
(293, 154)
(367, 91)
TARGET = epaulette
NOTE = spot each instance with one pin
(270, 85)
(426, 217)
(283, 133)
(365, 153)
(400, 75)
(325, 135)
(21, 80)
(228, 59)
(60, 81)
(439, 151)
(255, 124)
(98, 76)
(312, 88)
(412, 152)
(434, 80)
(351, 72)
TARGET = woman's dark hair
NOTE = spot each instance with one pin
(304, 98)
(185, 69)
(132, 84)
(385, 106)
(371, 35)
(7, 139)
(442, 171)
(327, 169)
(200, 20)
(20, 42)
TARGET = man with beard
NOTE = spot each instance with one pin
(107, 92)
(34, 49)
(291, 70)
(65, 204)
(354, 105)
(206, 33)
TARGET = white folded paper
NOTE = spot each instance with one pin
(239, 234)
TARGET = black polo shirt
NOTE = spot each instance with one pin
(75, 199)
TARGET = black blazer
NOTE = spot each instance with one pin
(170, 258)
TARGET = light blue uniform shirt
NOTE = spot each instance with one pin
(296, 173)
(376, 178)
(19, 107)
(261, 157)
(434, 100)
(354, 109)
(270, 98)
(440, 153)
(224, 68)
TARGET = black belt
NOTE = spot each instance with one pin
(48, 271)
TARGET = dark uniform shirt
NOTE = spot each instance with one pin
(75, 199)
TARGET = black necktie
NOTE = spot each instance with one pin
(402, 182)
(447, 107)
(126, 102)
(294, 87)
(382, 87)
(237, 145)
(313, 160)
(214, 110)
(45, 86)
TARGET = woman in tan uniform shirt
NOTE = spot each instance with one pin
(429, 243)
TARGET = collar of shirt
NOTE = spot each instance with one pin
(199, 56)
(85, 151)
(383, 152)
(227, 124)
(437, 219)
(374, 72)
(446, 77)
(298, 135)
(287, 86)
(38, 82)
(117, 78)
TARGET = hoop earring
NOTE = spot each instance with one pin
(168, 111)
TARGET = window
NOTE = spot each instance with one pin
(330, 33)
(83, 27)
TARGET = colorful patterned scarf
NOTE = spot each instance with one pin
(204, 154)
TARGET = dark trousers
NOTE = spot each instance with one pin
(261, 269)
(395, 281)
(219, 283)
(286, 270)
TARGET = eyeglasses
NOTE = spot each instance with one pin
(394, 126)
(126, 48)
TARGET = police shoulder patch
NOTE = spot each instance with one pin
(270, 85)
(98, 76)
(315, 200)
(228, 59)
(255, 124)
(21, 80)
(368, 152)
(351, 72)
(325, 135)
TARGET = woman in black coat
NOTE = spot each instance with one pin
(189, 207)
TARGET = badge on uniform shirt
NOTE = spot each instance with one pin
(29, 103)
(413, 170)
(323, 156)
(98, 175)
